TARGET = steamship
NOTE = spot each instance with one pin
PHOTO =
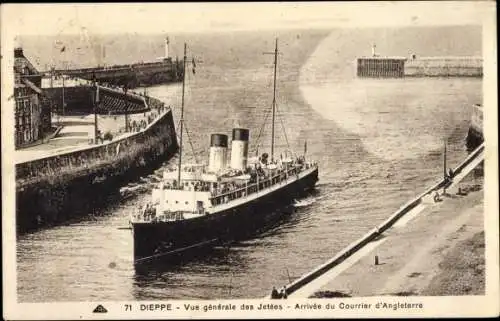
(196, 205)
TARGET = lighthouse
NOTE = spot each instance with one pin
(373, 50)
(167, 42)
(166, 55)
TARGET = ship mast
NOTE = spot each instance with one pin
(182, 118)
(274, 99)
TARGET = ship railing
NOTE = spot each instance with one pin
(152, 217)
(255, 187)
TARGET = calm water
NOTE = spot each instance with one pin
(379, 142)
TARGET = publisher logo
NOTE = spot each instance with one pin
(100, 309)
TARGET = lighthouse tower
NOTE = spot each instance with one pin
(166, 55)
(374, 46)
(167, 42)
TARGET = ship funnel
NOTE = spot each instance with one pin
(239, 148)
(218, 152)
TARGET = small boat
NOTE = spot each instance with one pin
(196, 205)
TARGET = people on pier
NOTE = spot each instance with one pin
(275, 294)
(283, 294)
(437, 198)
(461, 192)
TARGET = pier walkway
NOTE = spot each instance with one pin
(391, 234)
(410, 255)
(76, 133)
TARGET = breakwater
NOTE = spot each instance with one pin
(131, 76)
(444, 67)
(398, 67)
(53, 189)
(374, 234)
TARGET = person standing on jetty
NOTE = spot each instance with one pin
(283, 294)
(275, 294)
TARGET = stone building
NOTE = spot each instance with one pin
(33, 108)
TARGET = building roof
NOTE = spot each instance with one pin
(22, 65)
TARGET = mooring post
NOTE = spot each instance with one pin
(376, 259)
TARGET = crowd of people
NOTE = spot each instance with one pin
(69, 81)
(282, 294)
(156, 108)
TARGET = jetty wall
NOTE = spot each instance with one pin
(444, 67)
(57, 188)
(133, 75)
(379, 230)
(399, 67)
(376, 67)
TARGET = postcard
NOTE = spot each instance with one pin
(249, 160)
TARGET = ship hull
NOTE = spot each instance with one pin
(168, 240)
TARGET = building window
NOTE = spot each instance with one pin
(27, 106)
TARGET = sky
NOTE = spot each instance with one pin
(57, 19)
